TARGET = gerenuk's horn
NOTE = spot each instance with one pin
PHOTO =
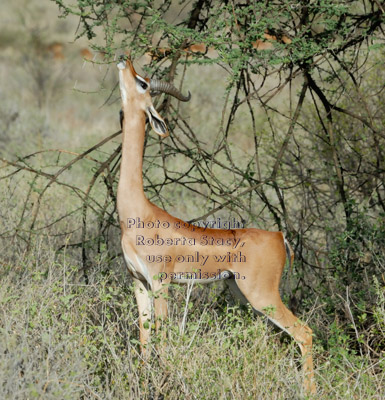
(165, 87)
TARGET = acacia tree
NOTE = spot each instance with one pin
(314, 165)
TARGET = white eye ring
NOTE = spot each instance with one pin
(141, 85)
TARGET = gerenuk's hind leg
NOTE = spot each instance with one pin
(270, 304)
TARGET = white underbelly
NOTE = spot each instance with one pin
(200, 277)
(139, 270)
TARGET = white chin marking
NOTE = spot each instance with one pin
(122, 88)
(122, 65)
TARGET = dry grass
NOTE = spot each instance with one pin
(63, 339)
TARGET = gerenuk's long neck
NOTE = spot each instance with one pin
(131, 201)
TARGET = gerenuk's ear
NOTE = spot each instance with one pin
(156, 121)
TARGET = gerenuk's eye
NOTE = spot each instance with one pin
(141, 84)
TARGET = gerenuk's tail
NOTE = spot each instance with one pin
(289, 253)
